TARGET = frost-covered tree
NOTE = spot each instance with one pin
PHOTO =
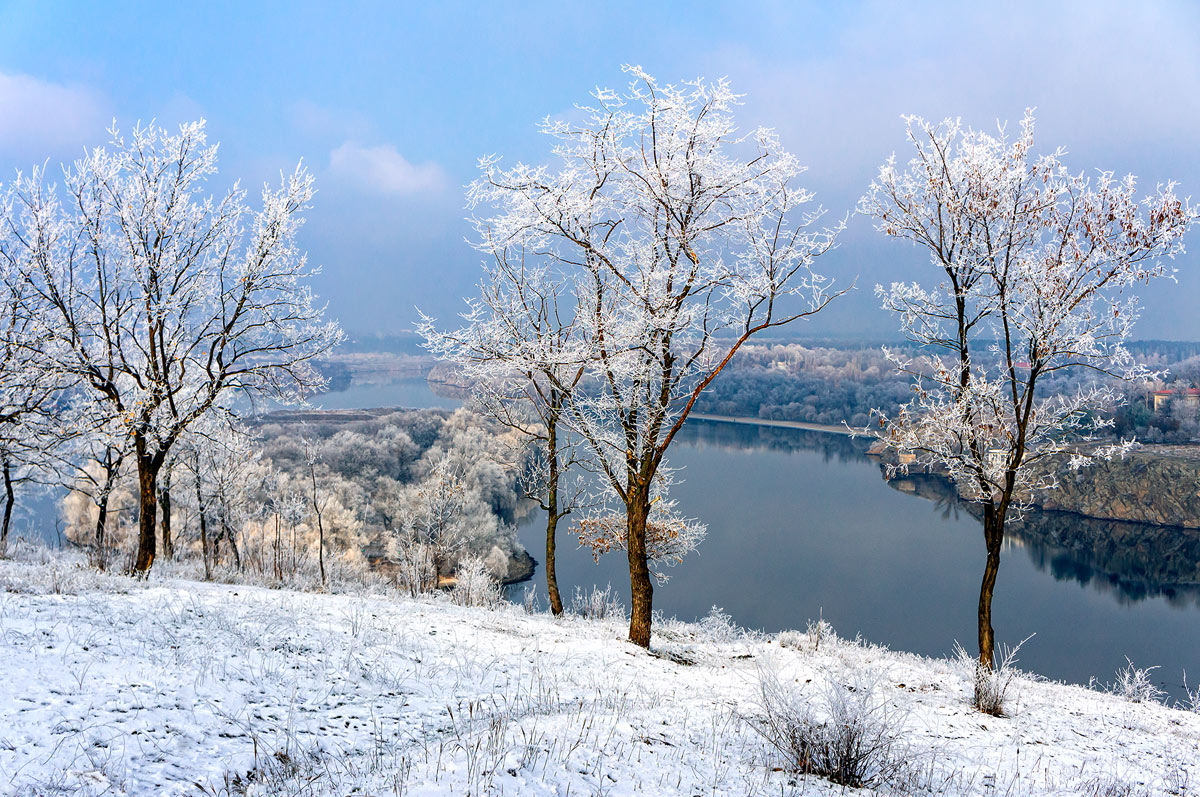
(30, 438)
(96, 451)
(221, 476)
(1032, 267)
(318, 501)
(159, 301)
(519, 352)
(431, 528)
(681, 239)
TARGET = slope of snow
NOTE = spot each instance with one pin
(111, 686)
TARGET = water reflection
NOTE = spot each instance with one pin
(1131, 561)
(725, 436)
(801, 524)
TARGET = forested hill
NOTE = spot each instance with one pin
(842, 382)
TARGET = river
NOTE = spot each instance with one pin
(801, 524)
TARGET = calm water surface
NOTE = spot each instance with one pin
(802, 524)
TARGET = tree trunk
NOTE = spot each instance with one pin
(556, 605)
(203, 524)
(641, 588)
(8, 508)
(101, 527)
(227, 532)
(165, 501)
(993, 532)
(278, 561)
(321, 548)
(312, 470)
(148, 511)
(148, 467)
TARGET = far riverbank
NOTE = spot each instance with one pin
(811, 427)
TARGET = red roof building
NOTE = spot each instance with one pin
(1189, 396)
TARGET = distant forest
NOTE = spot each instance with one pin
(836, 383)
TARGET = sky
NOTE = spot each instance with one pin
(391, 105)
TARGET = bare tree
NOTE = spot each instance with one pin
(1033, 264)
(29, 437)
(682, 239)
(95, 453)
(236, 477)
(317, 501)
(432, 527)
(519, 351)
(158, 301)
(193, 462)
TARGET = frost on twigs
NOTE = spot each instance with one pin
(1035, 266)
(474, 584)
(992, 686)
(848, 732)
(719, 628)
(597, 604)
(1136, 684)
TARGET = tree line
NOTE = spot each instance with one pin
(309, 503)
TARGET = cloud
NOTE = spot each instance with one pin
(1112, 82)
(383, 170)
(41, 119)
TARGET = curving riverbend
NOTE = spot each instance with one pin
(801, 523)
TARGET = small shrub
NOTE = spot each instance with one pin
(820, 631)
(849, 734)
(791, 639)
(475, 585)
(816, 632)
(530, 601)
(718, 627)
(992, 684)
(1135, 685)
(598, 604)
(1191, 701)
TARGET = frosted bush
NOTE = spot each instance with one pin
(475, 585)
(530, 602)
(598, 604)
(1135, 685)
(820, 631)
(1191, 701)
(991, 685)
(791, 639)
(849, 733)
(717, 626)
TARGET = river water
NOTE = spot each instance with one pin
(801, 524)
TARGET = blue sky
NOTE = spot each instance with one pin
(390, 105)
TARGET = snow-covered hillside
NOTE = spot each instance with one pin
(111, 686)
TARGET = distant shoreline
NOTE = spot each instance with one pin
(748, 421)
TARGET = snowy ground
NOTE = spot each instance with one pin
(111, 686)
